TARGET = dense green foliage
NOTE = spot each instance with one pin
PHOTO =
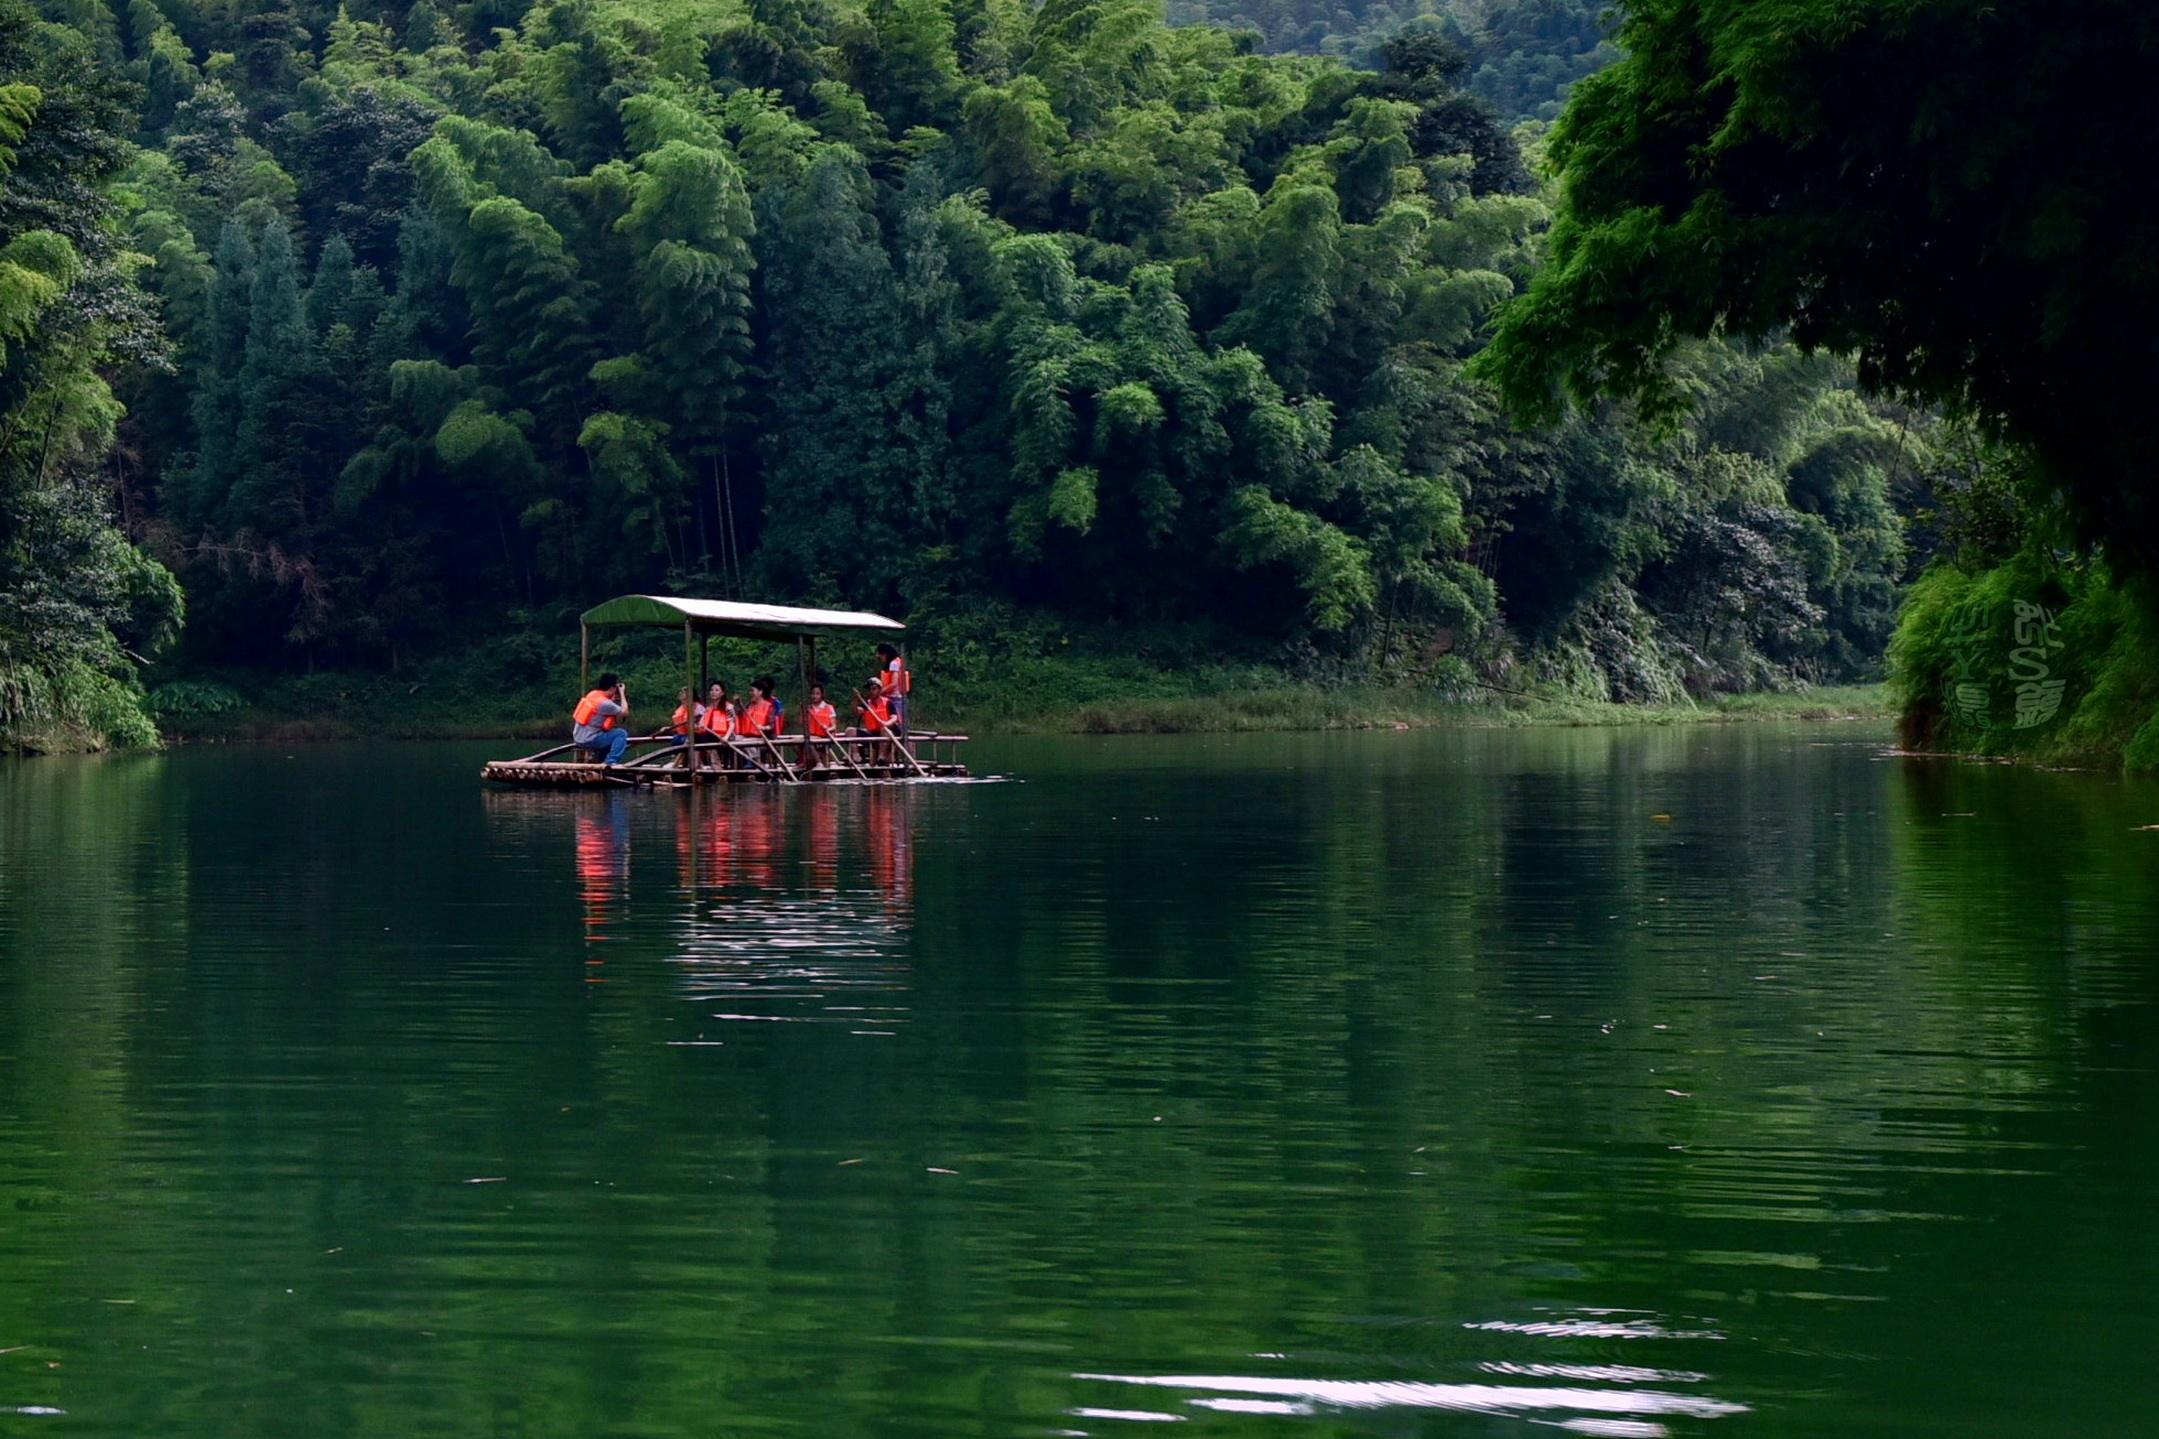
(1006, 317)
(1947, 192)
(1521, 57)
(2082, 684)
(1945, 189)
(74, 595)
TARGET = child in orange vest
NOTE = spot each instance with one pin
(819, 722)
(874, 714)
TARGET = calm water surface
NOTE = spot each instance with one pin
(1732, 1082)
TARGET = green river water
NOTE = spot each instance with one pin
(1361, 1085)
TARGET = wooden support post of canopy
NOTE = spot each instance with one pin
(584, 658)
(689, 679)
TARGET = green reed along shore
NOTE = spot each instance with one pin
(1046, 696)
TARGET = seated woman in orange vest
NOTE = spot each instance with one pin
(718, 721)
(687, 713)
(600, 723)
(687, 720)
(761, 716)
(820, 723)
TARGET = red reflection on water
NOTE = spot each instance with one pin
(603, 866)
(890, 834)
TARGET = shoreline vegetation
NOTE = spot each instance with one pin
(337, 707)
(382, 327)
(335, 335)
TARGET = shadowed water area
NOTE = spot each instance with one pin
(1375, 1085)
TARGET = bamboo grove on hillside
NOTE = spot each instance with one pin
(414, 313)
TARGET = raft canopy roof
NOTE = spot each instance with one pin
(733, 617)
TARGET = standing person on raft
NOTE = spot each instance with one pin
(600, 723)
(895, 684)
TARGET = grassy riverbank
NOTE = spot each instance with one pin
(1060, 695)
(1306, 707)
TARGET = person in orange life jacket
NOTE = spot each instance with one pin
(819, 722)
(874, 718)
(600, 723)
(687, 713)
(762, 716)
(718, 722)
(894, 681)
(684, 722)
(779, 706)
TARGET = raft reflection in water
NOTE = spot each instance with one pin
(796, 904)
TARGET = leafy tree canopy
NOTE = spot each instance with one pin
(1952, 192)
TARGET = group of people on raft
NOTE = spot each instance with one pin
(729, 734)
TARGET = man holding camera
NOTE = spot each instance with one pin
(601, 721)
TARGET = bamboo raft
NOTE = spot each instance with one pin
(660, 762)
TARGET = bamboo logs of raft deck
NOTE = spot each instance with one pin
(658, 767)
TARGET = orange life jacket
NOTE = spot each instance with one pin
(896, 680)
(756, 718)
(683, 717)
(820, 719)
(717, 722)
(587, 706)
(877, 715)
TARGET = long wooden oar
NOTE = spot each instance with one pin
(778, 758)
(837, 744)
(757, 764)
(734, 747)
(862, 707)
(646, 761)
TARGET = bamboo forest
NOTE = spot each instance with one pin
(335, 336)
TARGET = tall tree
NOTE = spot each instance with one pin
(1944, 189)
(79, 605)
(833, 482)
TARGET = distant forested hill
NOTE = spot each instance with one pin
(1519, 55)
(382, 323)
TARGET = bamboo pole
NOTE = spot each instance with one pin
(536, 758)
(863, 705)
(778, 758)
(841, 746)
(689, 678)
(751, 755)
